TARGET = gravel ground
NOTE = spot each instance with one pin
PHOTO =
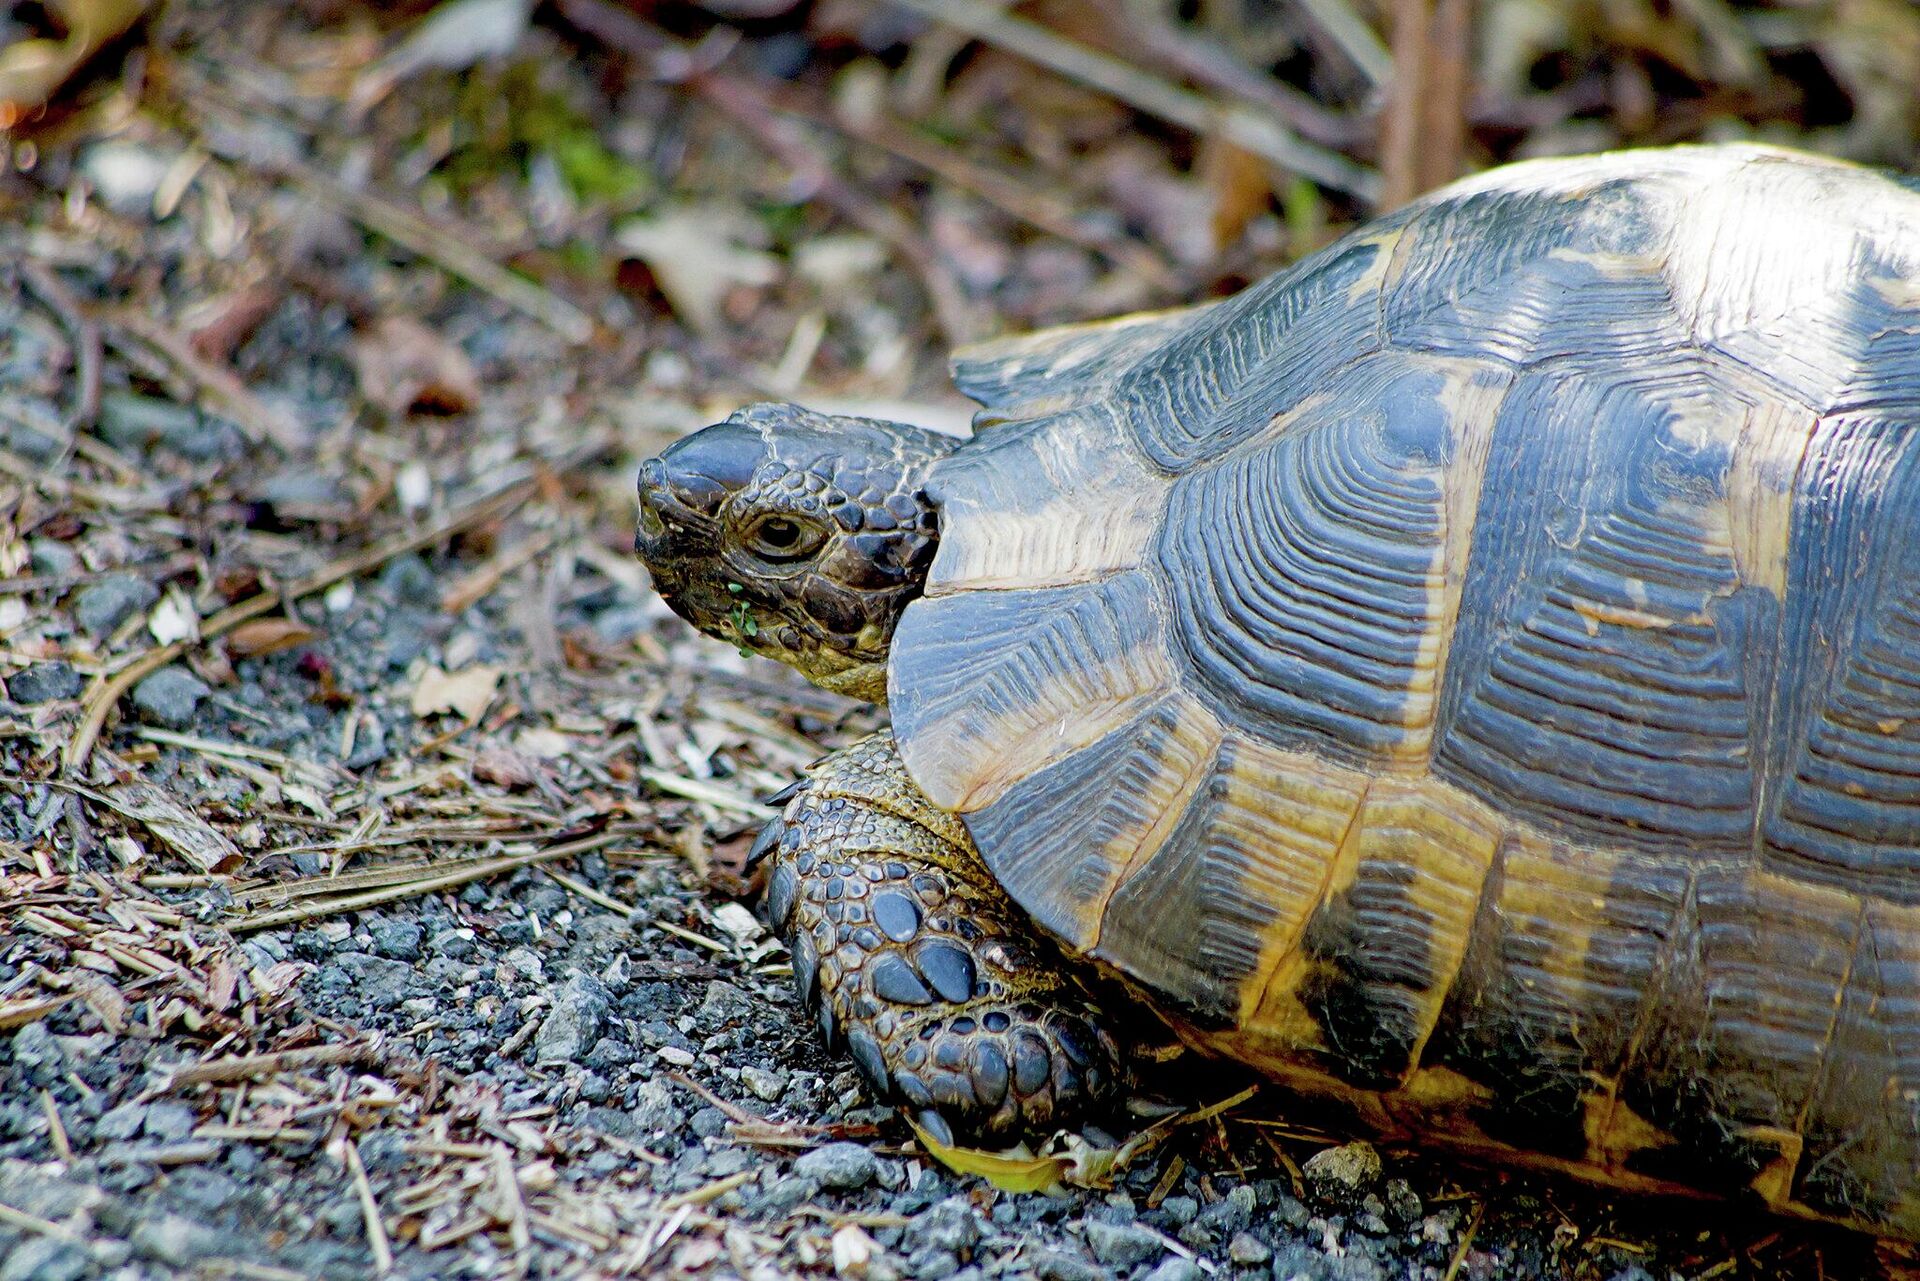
(559, 1046)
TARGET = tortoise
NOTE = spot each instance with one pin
(1471, 676)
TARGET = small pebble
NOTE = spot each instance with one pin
(573, 1024)
(1123, 1244)
(44, 683)
(170, 697)
(837, 1165)
(101, 607)
(1248, 1250)
(1342, 1176)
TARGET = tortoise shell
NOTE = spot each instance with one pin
(1480, 665)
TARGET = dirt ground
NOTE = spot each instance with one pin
(371, 839)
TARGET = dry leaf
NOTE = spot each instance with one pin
(500, 764)
(267, 636)
(466, 693)
(174, 618)
(175, 826)
(853, 1251)
(696, 255)
(1012, 1171)
(403, 366)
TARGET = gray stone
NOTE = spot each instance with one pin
(1180, 1210)
(837, 1165)
(1296, 1261)
(45, 1259)
(169, 1122)
(655, 1107)
(37, 1052)
(399, 940)
(708, 1123)
(725, 1005)
(44, 683)
(1342, 1176)
(122, 1122)
(373, 979)
(1248, 1250)
(101, 607)
(950, 1225)
(170, 697)
(1175, 1268)
(782, 1195)
(1231, 1213)
(410, 581)
(172, 1240)
(1058, 1265)
(133, 422)
(53, 558)
(573, 1024)
(1120, 1245)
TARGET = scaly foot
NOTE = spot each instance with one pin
(912, 957)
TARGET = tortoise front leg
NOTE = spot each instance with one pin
(914, 959)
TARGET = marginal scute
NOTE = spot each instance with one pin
(1862, 1128)
(1046, 504)
(1313, 572)
(1364, 986)
(1203, 918)
(1567, 943)
(1061, 839)
(1769, 958)
(987, 688)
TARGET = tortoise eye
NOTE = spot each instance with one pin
(785, 538)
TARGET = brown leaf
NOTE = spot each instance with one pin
(267, 636)
(405, 367)
(505, 767)
(466, 693)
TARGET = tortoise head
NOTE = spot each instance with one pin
(795, 535)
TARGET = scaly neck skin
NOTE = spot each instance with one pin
(795, 535)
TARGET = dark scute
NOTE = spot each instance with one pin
(947, 968)
(896, 915)
(1610, 671)
(1297, 570)
(996, 1021)
(1032, 1065)
(786, 793)
(1077, 1039)
(915, 1092)
(990, 1074)
(829, 1026)
(892, 979)
(932, 1122)
(1845, 810)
